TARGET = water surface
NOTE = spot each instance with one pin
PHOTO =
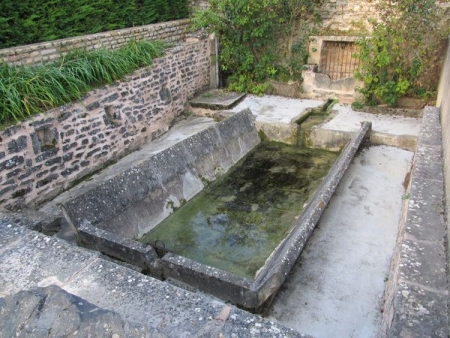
(236, 222)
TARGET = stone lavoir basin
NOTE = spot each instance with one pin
(236, 238)
(237, 221)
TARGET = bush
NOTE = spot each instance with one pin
(402, 49)
(253, 35)
(29, 21)
(27, 90)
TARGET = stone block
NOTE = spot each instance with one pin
(419, 313)
(52, 311)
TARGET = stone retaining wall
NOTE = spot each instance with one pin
(353, 16)
(443, 102)
(199, 4)
(172, 31)
(49, 152)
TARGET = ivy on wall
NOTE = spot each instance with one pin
(29, 21)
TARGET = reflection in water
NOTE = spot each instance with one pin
(237, 221)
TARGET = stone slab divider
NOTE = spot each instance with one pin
(275, 271)
(171, 31)
(416, 296)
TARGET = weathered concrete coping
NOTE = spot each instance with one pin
(141, 306)
(416, 294)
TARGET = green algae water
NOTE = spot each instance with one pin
(236, 222)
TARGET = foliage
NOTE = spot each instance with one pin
(302, 15)
(27, 90)
(250, 32)
(29, 21)
(401, 49)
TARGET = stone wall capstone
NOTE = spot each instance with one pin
(171, 31)
(51, 151)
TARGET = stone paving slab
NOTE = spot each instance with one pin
(419, 313)
(29, 259)
(422, 263)
(346, 119)
(217, 99)
(10, 231)
(53, 312)
(428, 133)
(426, 166)
(278, 109)
(37, 260)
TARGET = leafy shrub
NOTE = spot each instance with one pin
(252, 34)
(29, 21)
(27, 90)
(395, 59)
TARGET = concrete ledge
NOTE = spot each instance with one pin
(417, 290)
(335, 140)
(217, 100)
(219, 283)
(126, 250)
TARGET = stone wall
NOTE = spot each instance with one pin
(172, 31)
(49, 152)
(443, 102)
(350, 16)
(202, 4)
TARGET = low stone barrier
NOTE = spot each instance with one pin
(416, 296)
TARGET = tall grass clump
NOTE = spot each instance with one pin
(28, 90)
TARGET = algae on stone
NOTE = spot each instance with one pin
(236, 222)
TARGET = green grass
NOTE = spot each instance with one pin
(28, 90)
